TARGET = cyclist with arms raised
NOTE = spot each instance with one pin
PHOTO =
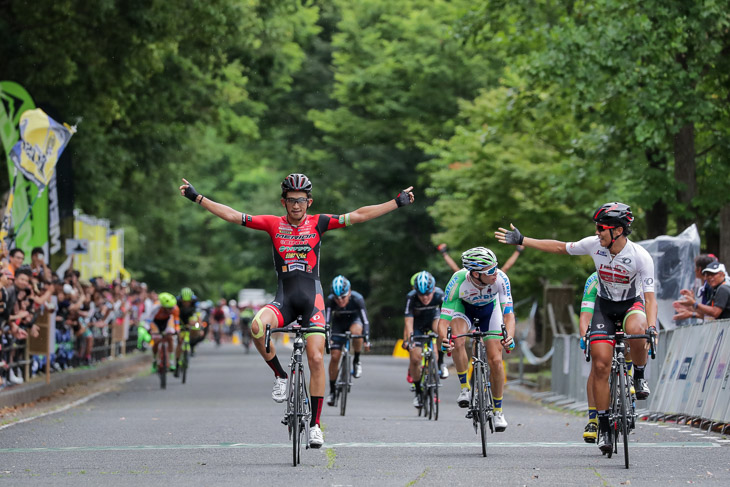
(624, 269)
(345, 310)
(296, 239)
(423, 307)
(479, 290)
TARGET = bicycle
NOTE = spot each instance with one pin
(622, 407)
(481, 401)
(344, 376)
(298, 410)
(430, 378)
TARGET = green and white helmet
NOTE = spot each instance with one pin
(478, 259)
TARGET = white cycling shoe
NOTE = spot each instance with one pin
(316, 440)
(463, 399)
(444, 372)
(500, 423)
(278, 394)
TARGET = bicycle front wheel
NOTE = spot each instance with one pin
(481, 405)
(296, 424)
(344, 381)
(623, 409)
(432, 384)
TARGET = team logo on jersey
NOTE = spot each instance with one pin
(600, 326)
(649, 281)
(626, 261)
(296, 266)
(602, 253)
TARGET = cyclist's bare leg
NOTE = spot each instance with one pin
(335, 355)
(178, 348)
(414, 366)
(258, 330)
(315, 357)
(636, 325)
(461, 359)
(496, 367)
(601, 356)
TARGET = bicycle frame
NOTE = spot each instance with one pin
(298, 410)
(622, 403)
(481, 402)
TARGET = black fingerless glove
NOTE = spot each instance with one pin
(402, 199)
(514, 237)
(191, 194)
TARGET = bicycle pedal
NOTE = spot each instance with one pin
(469, 415)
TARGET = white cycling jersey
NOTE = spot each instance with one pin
(622, 276)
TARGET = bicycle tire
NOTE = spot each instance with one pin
(294, 418)
(433, 379)
(436, 399)
(612, 410)
(479, 386)
(344, 381)
(425, 392)
(184, 366)
(624, 420)
(305, 413)
(162, 365)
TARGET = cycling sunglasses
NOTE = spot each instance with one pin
(489, 272)
(601, 228)
(301, 201)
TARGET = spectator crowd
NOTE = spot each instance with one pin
(84, 310)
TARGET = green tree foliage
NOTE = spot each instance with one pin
(532, 112)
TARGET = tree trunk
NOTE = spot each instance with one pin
(685, 172)
(656, 216)
(725, 234)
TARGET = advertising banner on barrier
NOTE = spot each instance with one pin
(687, 363)
(669, 343)
(694, 381)
(677, 368)
(711, 377)
(720, 410)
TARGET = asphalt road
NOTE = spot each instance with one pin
(222, 428)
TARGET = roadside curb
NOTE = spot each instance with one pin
(37, 389)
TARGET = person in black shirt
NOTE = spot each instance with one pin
(717, 299)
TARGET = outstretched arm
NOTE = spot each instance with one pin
(222, 211)
(514, 237)
(366, 213)
(449, 261)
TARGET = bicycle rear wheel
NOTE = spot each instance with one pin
(344, 381)
(479, 386)
(623, 408)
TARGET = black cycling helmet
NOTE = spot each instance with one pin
(615, 215)
(296, 182)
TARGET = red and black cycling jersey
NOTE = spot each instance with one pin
(296, 247)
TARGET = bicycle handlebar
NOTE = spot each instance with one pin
(649, 337)
(297, 329)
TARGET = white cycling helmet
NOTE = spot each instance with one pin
(479, 259)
